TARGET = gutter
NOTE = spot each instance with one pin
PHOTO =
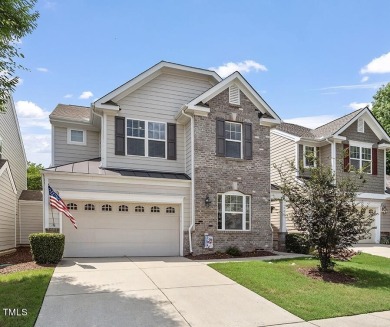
(102, 134)
(192, 179)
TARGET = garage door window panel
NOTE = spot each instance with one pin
(170, 210)
(139, 209)
(72, 206)
(123, 208)
(155, 209)
(89, 207)
(106, 207)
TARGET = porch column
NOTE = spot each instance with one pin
(283, 227)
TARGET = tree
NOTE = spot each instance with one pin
(17, 19)
(325, 212)
(34, 179)
(381, 111)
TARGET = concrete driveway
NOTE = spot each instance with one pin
(151, 292)
(375, 249)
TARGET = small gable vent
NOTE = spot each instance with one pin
(234, 94)
(360, 125)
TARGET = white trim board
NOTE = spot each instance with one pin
(4, 168)
(120, 197)
(116, 179)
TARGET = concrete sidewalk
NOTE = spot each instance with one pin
(152, 292)
(375, 249)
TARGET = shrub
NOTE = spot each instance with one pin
(385, 239)
(297, 243)
(47, 247)
(234, 251)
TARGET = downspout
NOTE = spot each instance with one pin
(102, 134)
(192, 180)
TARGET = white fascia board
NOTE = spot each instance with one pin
(120, 197)
(198, 111)
(53, 121)
(107, 107)
(269, 122)
(372, 196)
(285, 135)
(147, 76)
(338, 138)
(244, 86)
(372, 122)
(33, 203)
(116, 179)
(276, 194)
(6, 168)
(361, 144)
(383, 146)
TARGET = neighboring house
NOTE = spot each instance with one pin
(13, 177)
(357, 140)
(175, 157)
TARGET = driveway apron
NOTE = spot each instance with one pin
(134, 291)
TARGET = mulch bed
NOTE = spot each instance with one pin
(20, 260)
(331, 277)
(218, 255)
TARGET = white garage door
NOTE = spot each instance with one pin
(372, 234)
(116, 229)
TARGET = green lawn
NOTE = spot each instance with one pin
(309, 299)
(23, 290)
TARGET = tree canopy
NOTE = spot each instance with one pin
(17, 19)
(381, 111)
(34, 180)
(326, 212)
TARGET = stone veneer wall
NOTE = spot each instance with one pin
(215, 175)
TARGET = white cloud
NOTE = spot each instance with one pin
(242, 67)
(364, 79)
(42, 69)
(378, 65)
(28, 109)
(38, 148)
(355, 86)
(86, 95)
(67, 96)
(311, 121)
(359, 105)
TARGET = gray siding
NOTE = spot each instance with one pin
(325, 155)
(187, 130)
(152, 190)
(13, 147)
(65, 153)
(159, 100)
(7, 213)
(374, 183)
(31, 216)
(385, 219)
(282, 150)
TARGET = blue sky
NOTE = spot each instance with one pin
(313, 60)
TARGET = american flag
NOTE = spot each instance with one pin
(57, 203)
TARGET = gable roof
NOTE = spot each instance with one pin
(4, 166)
(148, 75)
(71, 112)
(335, 127)
(244, 86)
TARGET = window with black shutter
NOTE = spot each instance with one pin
(171, 141)
(248, 141)
(220, 131)
(120, 136)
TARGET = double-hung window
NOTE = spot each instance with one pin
(309, 153)
(234, 211)
(233, 139)
(360, 158)
(146, 138)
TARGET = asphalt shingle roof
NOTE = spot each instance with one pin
(321, 131)
(93, 167)
(31, 195)
(71, 112)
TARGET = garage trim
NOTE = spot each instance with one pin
(130, 198)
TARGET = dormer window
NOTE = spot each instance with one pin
(360, 125)
(234, 95)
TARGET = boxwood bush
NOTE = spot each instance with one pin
(47, 247)
(297, 243)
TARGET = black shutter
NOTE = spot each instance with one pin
(374, 161)
(220, 132)
(120, 136)
(171, 137)
(248, 141)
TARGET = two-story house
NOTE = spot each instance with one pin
(175, 161)
(13, 177)
(355, 140)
